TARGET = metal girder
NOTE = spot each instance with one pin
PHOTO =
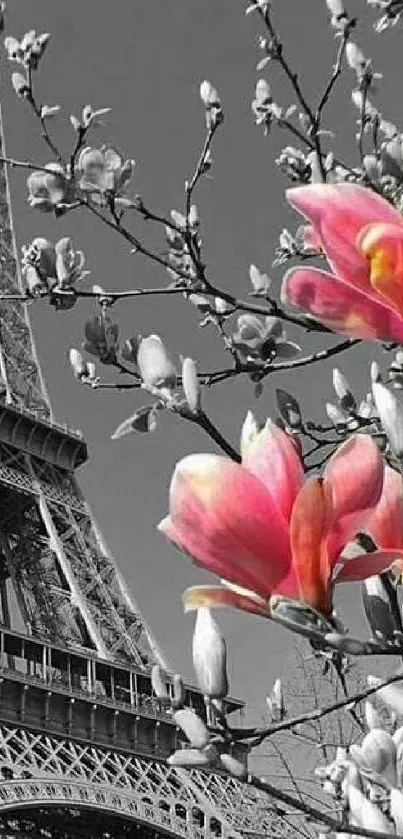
(40, 771)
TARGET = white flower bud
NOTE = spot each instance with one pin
(193, 216)
(390, 412)
(78, 364)
(156, 368)
(189, 757)
(378, 753)
(209, 95)
(158, 682)
(178, 690)
(335, 7)
(262, 93)
(19, 84)
(209, 656)
(260, 281)
(194, 728)
(250, 430)
(355, 58)
(190, 384)
(335, 414)
(234, 767)
(343, 391)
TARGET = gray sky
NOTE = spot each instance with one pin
(146, 60)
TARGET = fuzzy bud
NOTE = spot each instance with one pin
(356, 59)
(20, 85)
(178, 691)
(390, 412)
(77, 363)
(189, 757)
(209, 656)
(158, 682)
(190, 384)
(234, 767)
(194, 727)
(156, 368)
(343, 391)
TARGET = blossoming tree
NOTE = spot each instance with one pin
(304, 503)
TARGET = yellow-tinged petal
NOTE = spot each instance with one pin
(213, 597)
(382, 245)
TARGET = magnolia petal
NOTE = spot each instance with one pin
(354, 476)
(385, 524)
(367, 565)
(272, 456)
(338, 212)
(212, 597)
(382, 245)
(339, 307)
(226, 520)
(308, 528)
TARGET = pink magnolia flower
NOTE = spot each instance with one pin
(265, 530)
(361, 235)
(385, 525)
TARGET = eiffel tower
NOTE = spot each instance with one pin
(83, 741)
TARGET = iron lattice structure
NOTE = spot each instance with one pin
(83, 743)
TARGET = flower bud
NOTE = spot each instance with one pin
(355, 58)
(378, 608)
(336, 7)
(378, 753)
(209, 95)
(178, 691)
(234, 767)
(193, 217)
(343, 391)
(260, 281)
(78, 364)
(209, 656)
(194, 728)
(20, 85)
(262, 93)
(390, 412)
(189, 757)
(158, 682)
(190, 384)
(335, 414)
(156, 368)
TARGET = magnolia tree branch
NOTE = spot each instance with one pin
(313, 813)
(258, 735)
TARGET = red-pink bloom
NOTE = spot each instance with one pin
(265, 530)
(385, 525)
(361, 235)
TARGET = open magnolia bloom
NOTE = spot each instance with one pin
(265, 530)
(385, 524)
(361, 235)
